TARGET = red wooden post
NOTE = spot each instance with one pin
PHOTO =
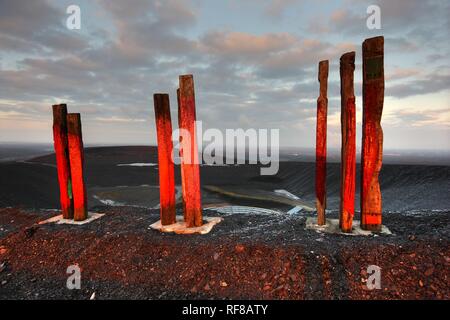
(62, 159)
(76, 155)
(321, 143)
(165, 163)
(189, 153)
(183, 192)
(372, 141)
(348, 147)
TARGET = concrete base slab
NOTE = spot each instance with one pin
(180, 226)
(332, 226)
(60, 220)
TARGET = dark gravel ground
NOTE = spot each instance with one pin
(33, 184)
(244, 257)
(250, 256)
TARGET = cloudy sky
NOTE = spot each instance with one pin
(254, 64)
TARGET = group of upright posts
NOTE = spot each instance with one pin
(372, 141)
(190, 171)
(68, 144)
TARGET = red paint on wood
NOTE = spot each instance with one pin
(62, 159)
(165, 163)
(76, 155)
(372, 141)
(321, 143)
(189, 153)
(348, 147)
(183, 184)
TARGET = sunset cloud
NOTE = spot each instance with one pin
(254, 67)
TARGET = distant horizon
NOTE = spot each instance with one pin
(89, 145)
